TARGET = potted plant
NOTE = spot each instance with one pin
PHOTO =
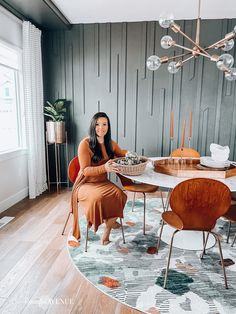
(55, 126)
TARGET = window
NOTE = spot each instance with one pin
(10, 98)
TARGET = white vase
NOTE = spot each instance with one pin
(50, 128)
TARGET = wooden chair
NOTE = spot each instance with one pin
(130, 186)
(196, 205)
(231, 217)
(73, 170)
(185, 152)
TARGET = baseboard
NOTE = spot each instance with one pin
(13, 199)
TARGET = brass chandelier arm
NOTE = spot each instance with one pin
(193, 51)
(221, 41)
(179, 56)
(176, 28)
(187, 59)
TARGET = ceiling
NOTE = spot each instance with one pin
(100, 11)
(59, 14)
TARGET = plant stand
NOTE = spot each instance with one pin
(58, 148)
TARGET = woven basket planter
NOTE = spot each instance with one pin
(132, 170)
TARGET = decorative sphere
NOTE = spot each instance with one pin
(225, 61)
(153, 63)
(166, 42)
(166, 22)
(228, 45)
(172, 68)
(232, 75)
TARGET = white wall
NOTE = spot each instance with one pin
(13, 165)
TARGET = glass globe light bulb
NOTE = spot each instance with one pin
(228, 45)
(166, 21)
(225, 61)
(231, 76)
(166, 42)
(153, 63)
(172, 68)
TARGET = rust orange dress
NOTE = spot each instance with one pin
(98, 197)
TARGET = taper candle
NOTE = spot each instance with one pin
(172, 124)
(183, 133)
(190, 125)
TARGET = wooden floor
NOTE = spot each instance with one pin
(36, 272)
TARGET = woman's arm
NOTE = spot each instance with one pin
(85, 154)
(118, 152)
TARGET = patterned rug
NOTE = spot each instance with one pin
(133, 274)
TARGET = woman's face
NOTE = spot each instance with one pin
(101, 127)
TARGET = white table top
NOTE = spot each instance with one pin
(163, 180)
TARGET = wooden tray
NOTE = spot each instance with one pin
(191, 168)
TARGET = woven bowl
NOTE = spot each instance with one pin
(132, 170)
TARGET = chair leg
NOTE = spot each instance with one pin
(144, 212)
(168, 200)
(86, 240)
(159, 239)
(168, 263)
(133, 201)
(162, 200)
(68, 216)
(122, 230)
(228, 234)
(221, 259)
(233, 240)
(204, 244)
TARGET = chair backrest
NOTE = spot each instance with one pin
(73, 169)
(124, 181)
(199, 202)
(185, 152)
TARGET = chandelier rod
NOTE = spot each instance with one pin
(193, 51)
(173, 27)
(198, 24)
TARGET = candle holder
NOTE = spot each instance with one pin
(171, 149)
(189, 146)
(189, 142)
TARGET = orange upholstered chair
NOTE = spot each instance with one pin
(185, 152)
(73, 170)
(231, 217)
(143, 188)
(196, 205)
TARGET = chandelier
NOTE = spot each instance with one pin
(224, 62)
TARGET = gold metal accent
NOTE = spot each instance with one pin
(164, 59)
(196, 50)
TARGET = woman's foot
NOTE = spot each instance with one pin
(105, 237)
(116, 225)
(110, 223)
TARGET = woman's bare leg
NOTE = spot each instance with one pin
(109, 223)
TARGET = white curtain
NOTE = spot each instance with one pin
(33, 97)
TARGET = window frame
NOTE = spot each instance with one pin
(18, 77)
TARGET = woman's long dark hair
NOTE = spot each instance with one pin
(93, 142)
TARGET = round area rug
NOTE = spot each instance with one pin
(188, 240)
(133, 273)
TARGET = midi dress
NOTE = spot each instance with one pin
(97, 195)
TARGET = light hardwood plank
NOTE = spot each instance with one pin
(36, 273)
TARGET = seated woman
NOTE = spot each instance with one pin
(102, 200)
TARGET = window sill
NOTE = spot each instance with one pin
(12, 154)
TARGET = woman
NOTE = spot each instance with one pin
(102, 200)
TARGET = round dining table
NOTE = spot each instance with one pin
(167, 181)
(190, 240)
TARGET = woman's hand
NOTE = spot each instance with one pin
(110, 166)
